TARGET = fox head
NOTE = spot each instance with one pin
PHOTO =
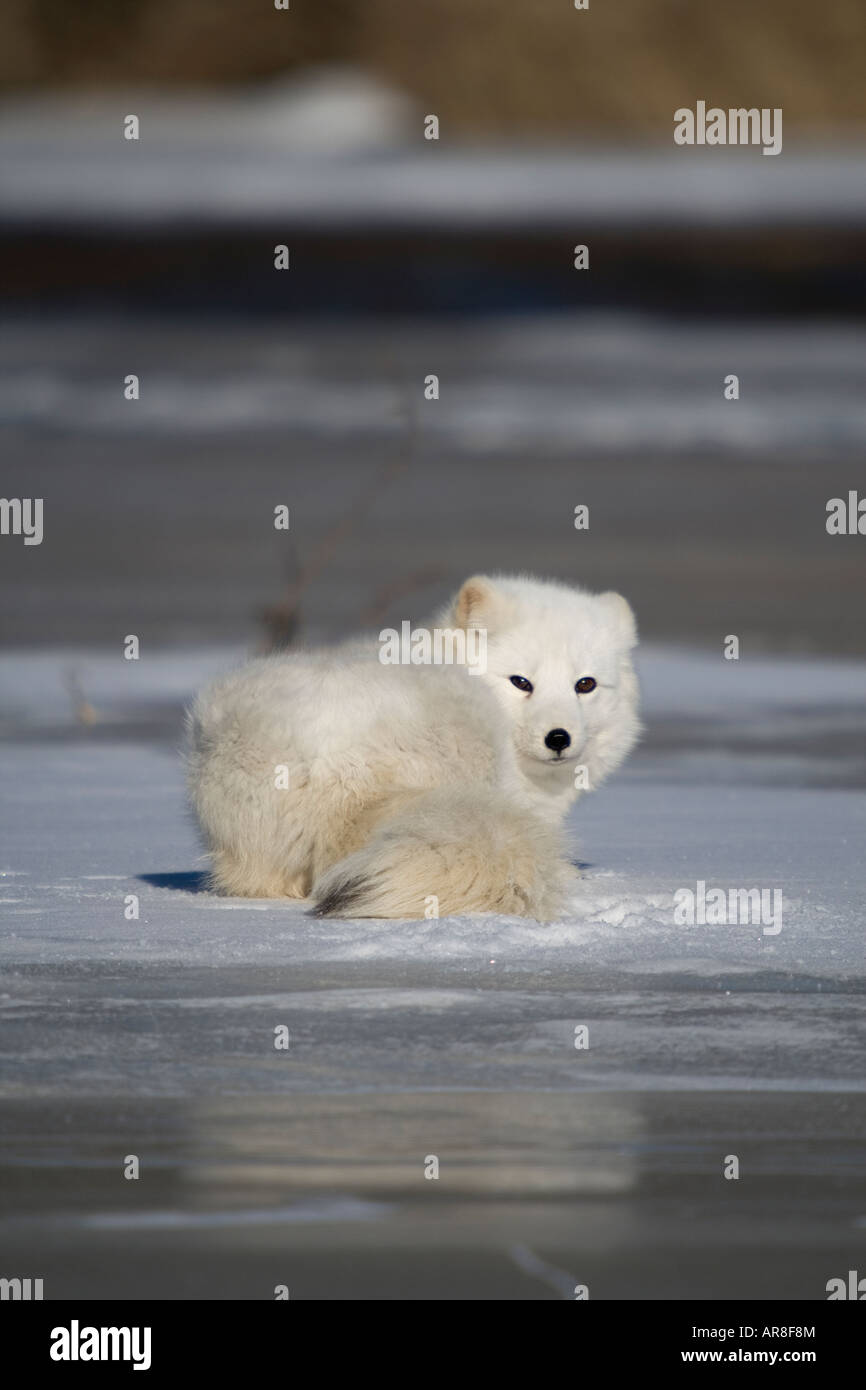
(558, 660)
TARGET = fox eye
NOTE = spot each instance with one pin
(585, 685)
(522, 683)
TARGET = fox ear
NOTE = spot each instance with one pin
(476, 603)
(621, 615)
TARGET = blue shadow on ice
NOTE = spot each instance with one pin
(192, 882)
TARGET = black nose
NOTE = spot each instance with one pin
(558, 739)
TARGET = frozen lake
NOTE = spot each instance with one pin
(708, 514)
(602, 1165)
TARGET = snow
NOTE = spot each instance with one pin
(455, 1038)
(337, 146)
(86, 182)
(99, 814)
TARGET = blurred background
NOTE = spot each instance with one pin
(410, 257)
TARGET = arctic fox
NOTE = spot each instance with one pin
(385, 790)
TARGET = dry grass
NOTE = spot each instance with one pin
(486, 67)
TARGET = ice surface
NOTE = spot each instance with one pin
(100, 813)
(199, 169)
(452, 1037)
(543, 386)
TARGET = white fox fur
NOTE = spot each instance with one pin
(417, 791)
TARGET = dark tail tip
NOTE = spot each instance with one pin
(339, 898)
